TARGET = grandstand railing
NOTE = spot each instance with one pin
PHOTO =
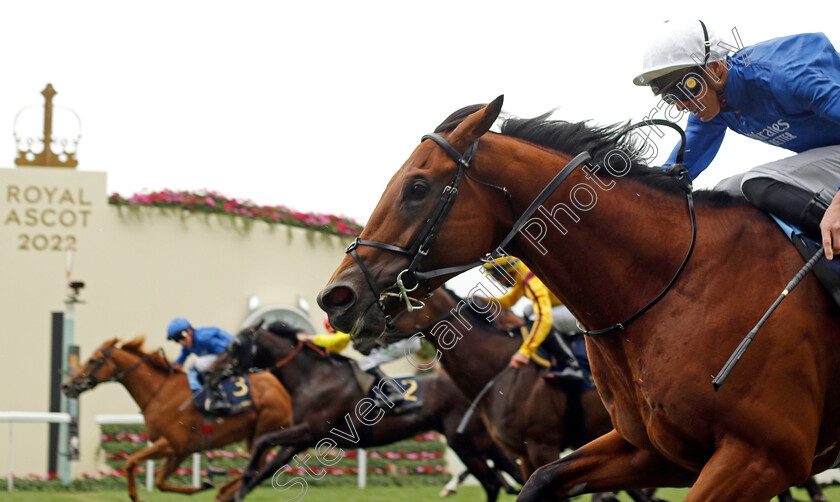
(12, 417)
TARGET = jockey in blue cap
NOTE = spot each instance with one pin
(206, 343)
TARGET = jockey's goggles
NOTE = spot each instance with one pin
(177, 337)
(682, 86)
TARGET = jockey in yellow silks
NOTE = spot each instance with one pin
(337, 341)
(512, 272)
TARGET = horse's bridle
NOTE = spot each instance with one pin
(420, 248)
(291, 355)
(88, 382)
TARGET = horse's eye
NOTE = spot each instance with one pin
(418, 189)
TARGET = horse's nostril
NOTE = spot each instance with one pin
(340, 296)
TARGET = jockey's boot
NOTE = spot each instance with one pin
(388, 396)
(216, 402)
(828, 271)
(811, 216)
(566, 367)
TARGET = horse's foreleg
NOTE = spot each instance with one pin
(504, 462)
(294, 439)
(277, 463)
(294, 436)
(814, 490)
(737, 471)
(158, 449)
(786, 496)
(608, 463)
(169, 466)
(227, 491)
(478, 467)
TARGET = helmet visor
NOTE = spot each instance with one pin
(683, 85)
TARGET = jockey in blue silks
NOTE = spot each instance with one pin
(784, 92)
(206, 343)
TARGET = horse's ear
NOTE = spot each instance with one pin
(476, 124)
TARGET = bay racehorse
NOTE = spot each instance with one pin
(531, 418)
(174, 425)
(670, 283)
(327, 396)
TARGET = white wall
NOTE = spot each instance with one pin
(141, 268)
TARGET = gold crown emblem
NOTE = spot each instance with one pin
(47, 150)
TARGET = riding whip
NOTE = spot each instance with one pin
(733, 359)
(468, 415)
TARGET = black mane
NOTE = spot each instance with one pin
(283, 329)
(576, 137)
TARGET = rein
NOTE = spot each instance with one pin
(300, 345)
(678, 170)
(420, 248)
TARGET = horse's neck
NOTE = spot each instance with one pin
(289, 374)
(141, 384)
(619, 256)
(604, 261)
(320, 389)
(297, 374)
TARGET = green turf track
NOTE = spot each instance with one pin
(342, 494)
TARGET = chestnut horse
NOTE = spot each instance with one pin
(327, 396)
(173, 423)
(614, 242)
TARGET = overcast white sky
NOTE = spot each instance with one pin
(315, 104)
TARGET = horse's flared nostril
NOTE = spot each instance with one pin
(337, 297)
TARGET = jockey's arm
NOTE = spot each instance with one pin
(702, 142)
(541, 297)
(179, 361)
(830, 228)
(335, 341)
(513, 295)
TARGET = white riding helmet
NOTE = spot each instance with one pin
(678, 45)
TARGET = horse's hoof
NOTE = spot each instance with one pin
(206, 485)
(446, 492)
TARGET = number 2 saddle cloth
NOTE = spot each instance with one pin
(411, 389)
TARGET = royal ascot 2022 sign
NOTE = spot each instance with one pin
(47, 209)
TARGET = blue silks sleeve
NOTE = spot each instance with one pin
(219, 340)
(703, 140)
(185, 352)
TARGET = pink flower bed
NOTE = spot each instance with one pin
(212, 202)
